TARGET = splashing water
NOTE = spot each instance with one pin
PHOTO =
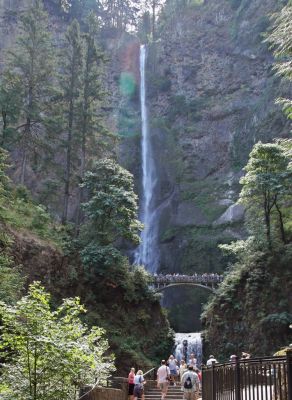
(147, 253)
(187, 343)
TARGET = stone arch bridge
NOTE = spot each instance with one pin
(205, 281)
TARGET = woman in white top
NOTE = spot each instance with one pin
(139, 383)
(182, 368)
(172, 363)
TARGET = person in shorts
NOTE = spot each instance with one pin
(190, 384)
(163, 376)
(172, 363)
(139, 383)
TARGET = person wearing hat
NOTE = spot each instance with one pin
(211, 360)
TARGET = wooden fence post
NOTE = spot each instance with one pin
(289, 372)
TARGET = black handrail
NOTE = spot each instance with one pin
(262, 378)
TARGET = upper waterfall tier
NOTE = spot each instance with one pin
(147, 253)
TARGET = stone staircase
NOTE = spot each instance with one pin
(173, 393)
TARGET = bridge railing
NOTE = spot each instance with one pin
(268, 378)
(167, 279)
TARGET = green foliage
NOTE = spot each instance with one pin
(267, 187)
(280, 40)
(112, 206)
(11, 281)
(32, 66)
(253, 296)
(49, 354)
(19, 210)
(10, 104)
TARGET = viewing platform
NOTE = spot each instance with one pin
(205, 280)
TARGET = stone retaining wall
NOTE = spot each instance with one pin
(100, 393)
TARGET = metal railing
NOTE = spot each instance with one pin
(268, 378)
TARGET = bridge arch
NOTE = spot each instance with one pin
(161, 288)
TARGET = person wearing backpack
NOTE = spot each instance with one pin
(139, 383)
(190, 384)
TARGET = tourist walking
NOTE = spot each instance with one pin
(163, 376)
(172, 363)
(211, 360)
(192, 361)
(131, 384)
(182, 368)
(190, 384)
(139, 383)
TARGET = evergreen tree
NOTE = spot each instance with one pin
(280, 39)
(154, 5)
(267, 187)
(70, 82)
(112, 216)
(90, 127)
(32, 67)
(10, 104)
(120, 14)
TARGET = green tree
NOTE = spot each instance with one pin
(92, 96)
(32, 66)
(267, 185)
(70, 82)
(10, 104)
(49, 354)
(120, 14)
(11, 281)
(112, 214)
(280, 39)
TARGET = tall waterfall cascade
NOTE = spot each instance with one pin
(147, 253)
(187, 343)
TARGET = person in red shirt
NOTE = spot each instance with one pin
(131, 383)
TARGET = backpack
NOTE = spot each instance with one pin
(188, 383)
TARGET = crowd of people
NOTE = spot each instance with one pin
(171, 372)
(194, 278)
(232, 359)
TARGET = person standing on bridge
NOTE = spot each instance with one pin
(190, 384)
(163, 376)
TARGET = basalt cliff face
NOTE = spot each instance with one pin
(211, 91)
(211, 94)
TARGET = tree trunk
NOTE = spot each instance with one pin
(84, 136)
(268, 220)
(282, 230)
(68, 163)
(67, 177)
(153, 19)
(23, 166)
(4, 127)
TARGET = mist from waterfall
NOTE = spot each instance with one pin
(187, 343)
(147, 253)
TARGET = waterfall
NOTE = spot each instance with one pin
(147, 253)
(187, 343)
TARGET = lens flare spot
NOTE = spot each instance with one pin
(127, 84)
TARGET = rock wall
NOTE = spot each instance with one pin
(101, 393)
(211, 93)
